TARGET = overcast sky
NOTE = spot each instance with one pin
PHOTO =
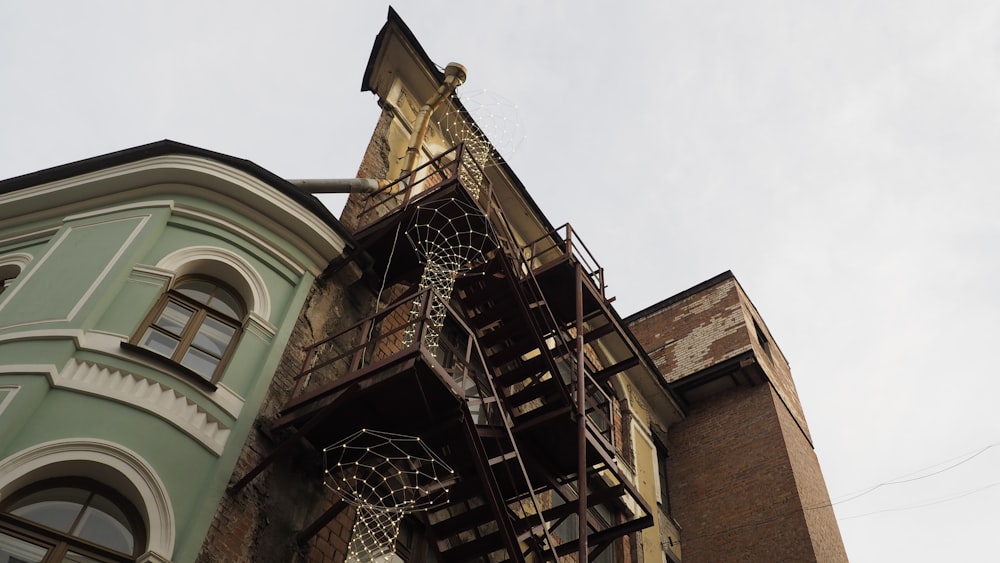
(840, 157)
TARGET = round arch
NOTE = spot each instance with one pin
(224, 265)
(105, 462)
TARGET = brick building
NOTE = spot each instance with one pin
(745, 484)
(436, 376)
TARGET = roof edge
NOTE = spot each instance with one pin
(166, 147)
(711, 282)
(393, 19)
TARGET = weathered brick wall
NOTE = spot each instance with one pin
(745, 483)
(774, 363)
(260, 522)
(732, 487)
(695, 333)
(374, 164)
(820, 518)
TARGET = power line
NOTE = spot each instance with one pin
(931, 503)
(905, 478)
(964, 458)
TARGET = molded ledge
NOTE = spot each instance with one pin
(150, 396)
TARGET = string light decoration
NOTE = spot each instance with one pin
(451, 238)
(385, 476)
(497, 125)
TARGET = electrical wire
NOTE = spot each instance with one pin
(965, 458)
(931, 503)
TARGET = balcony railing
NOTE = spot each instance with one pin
(454, 165)
(391, 333)
(561, 243)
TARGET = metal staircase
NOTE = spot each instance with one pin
(515, 398)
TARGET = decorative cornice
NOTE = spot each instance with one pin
(110, 345)
(145, 394)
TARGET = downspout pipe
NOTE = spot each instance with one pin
(341, 185)
(454, 75)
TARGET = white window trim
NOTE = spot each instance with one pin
(7, 393)
(105, 462)
(259, 300)
(19, 259)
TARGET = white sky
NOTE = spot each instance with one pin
(839, 157)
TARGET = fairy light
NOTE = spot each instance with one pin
(495, 124)
(385, 476)
(451, 237)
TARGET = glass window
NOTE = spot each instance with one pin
(7, 274)
(76, 520)
(195, 324)
(15, 550)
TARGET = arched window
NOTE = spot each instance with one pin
(69, 519)
(7, 274)
(196, 325)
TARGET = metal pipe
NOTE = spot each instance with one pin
(581, 422)
(341, 185)
(454, 76)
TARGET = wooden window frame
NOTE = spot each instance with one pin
(58, 543)
(199, 313)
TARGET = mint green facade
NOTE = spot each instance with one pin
(94, 253)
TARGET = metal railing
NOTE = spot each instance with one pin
(456, 164)
(378, 339)
(564, 242)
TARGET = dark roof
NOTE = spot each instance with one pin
(394, 19)
(165, 147)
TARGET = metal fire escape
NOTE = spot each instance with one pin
(514, 394)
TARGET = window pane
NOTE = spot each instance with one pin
(159, 342)
(226, 303)
(56, 508)
(200, 362)
(104, 529)
(199, 290)
(14, 550)
(214, 337)
(174, 318)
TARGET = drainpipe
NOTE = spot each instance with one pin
(454, 76)
(341, 186)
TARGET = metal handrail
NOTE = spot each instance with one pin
(455, 164)
(539, 253)
(370, 340)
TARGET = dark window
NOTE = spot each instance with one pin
(661, 473)
(196, 324)
(762, 339)
(77, 520)
(7, 274)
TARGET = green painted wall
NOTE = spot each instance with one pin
(92, 279)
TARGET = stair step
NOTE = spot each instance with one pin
(534, 391)
(462, 522)
(504, 311)
(491, 432)
(508, 354)
(503, 458)
(462, 491)
(534, 366)
(468, 551)
(500, 334)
